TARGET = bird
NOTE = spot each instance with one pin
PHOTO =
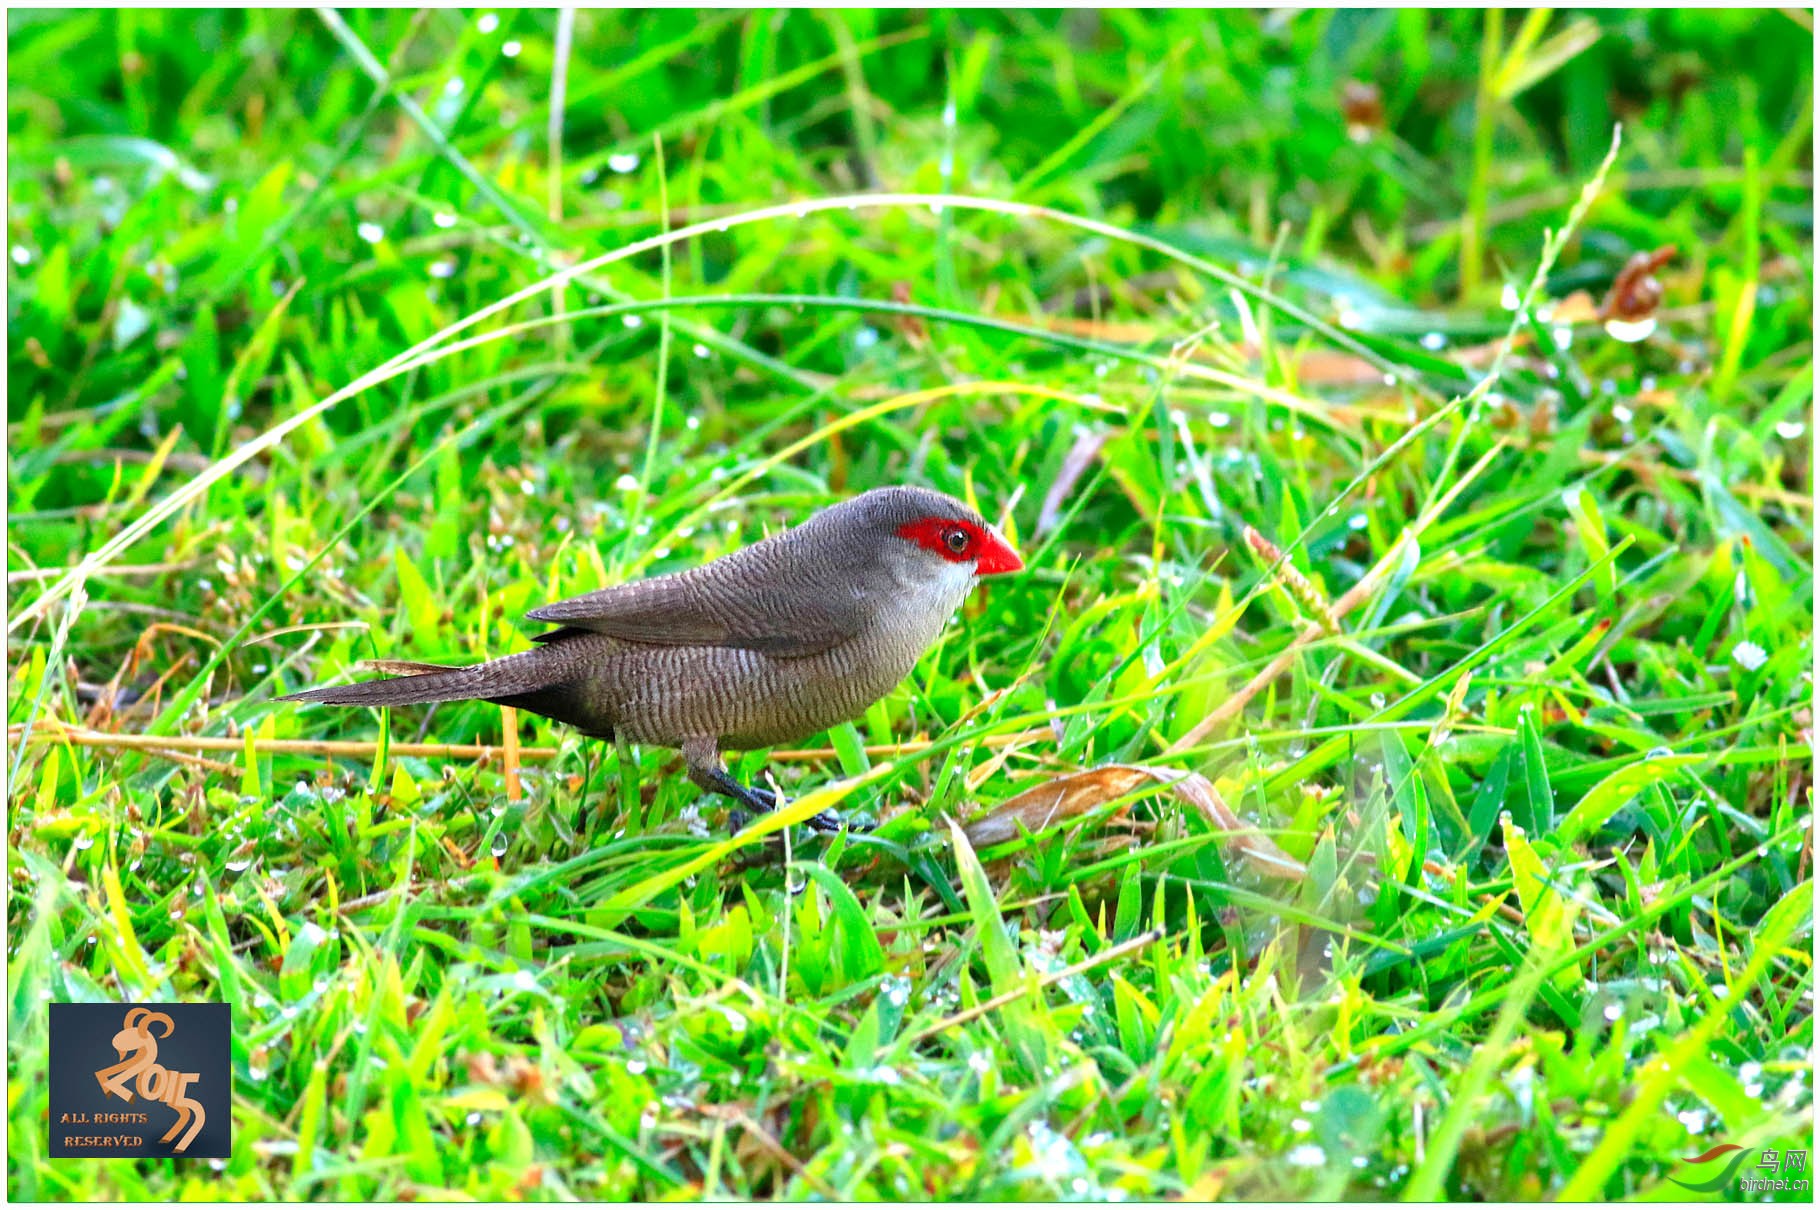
(763, 646)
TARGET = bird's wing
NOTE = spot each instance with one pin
(774, 597)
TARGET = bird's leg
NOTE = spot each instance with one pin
(702, 757)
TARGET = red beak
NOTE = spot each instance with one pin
(996, 556)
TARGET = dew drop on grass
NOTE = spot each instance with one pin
(623, 162)
(626, 483)
(474, 1118)
(701, 351)
(21, 255)
(85, 840)
(633, 321)
(1301, 1125)
(500, 845)
(445, 221)
(1788, 430)
(1306, 1155)
(1630, 332)
(511, 49)
(636, 1066)
(1510, 300)
(488, 23)
(1433, 341)
(442, 268)
(1219, 420)
(372, 233)
(1564, 338)
(524, 981)
(1613, 1011)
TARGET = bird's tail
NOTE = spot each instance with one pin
(414, 684)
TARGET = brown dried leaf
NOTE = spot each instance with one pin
(1075, 794)
(1362, 105)
(1636, 292)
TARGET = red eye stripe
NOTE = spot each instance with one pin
(940, 536)
(989, 554)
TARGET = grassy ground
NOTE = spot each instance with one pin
(1515, 669)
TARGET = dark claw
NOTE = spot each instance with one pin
(755, 800)
(759, 800)
(828, 823)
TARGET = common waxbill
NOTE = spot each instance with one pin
(763, 646)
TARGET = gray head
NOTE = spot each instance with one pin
(921, 528)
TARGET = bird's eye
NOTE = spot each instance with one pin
(957, 541)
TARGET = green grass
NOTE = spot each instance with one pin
(1547, 769)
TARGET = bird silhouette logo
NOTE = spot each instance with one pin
(1721, 1181)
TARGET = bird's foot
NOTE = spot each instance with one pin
(824, 823)
(756, 800)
